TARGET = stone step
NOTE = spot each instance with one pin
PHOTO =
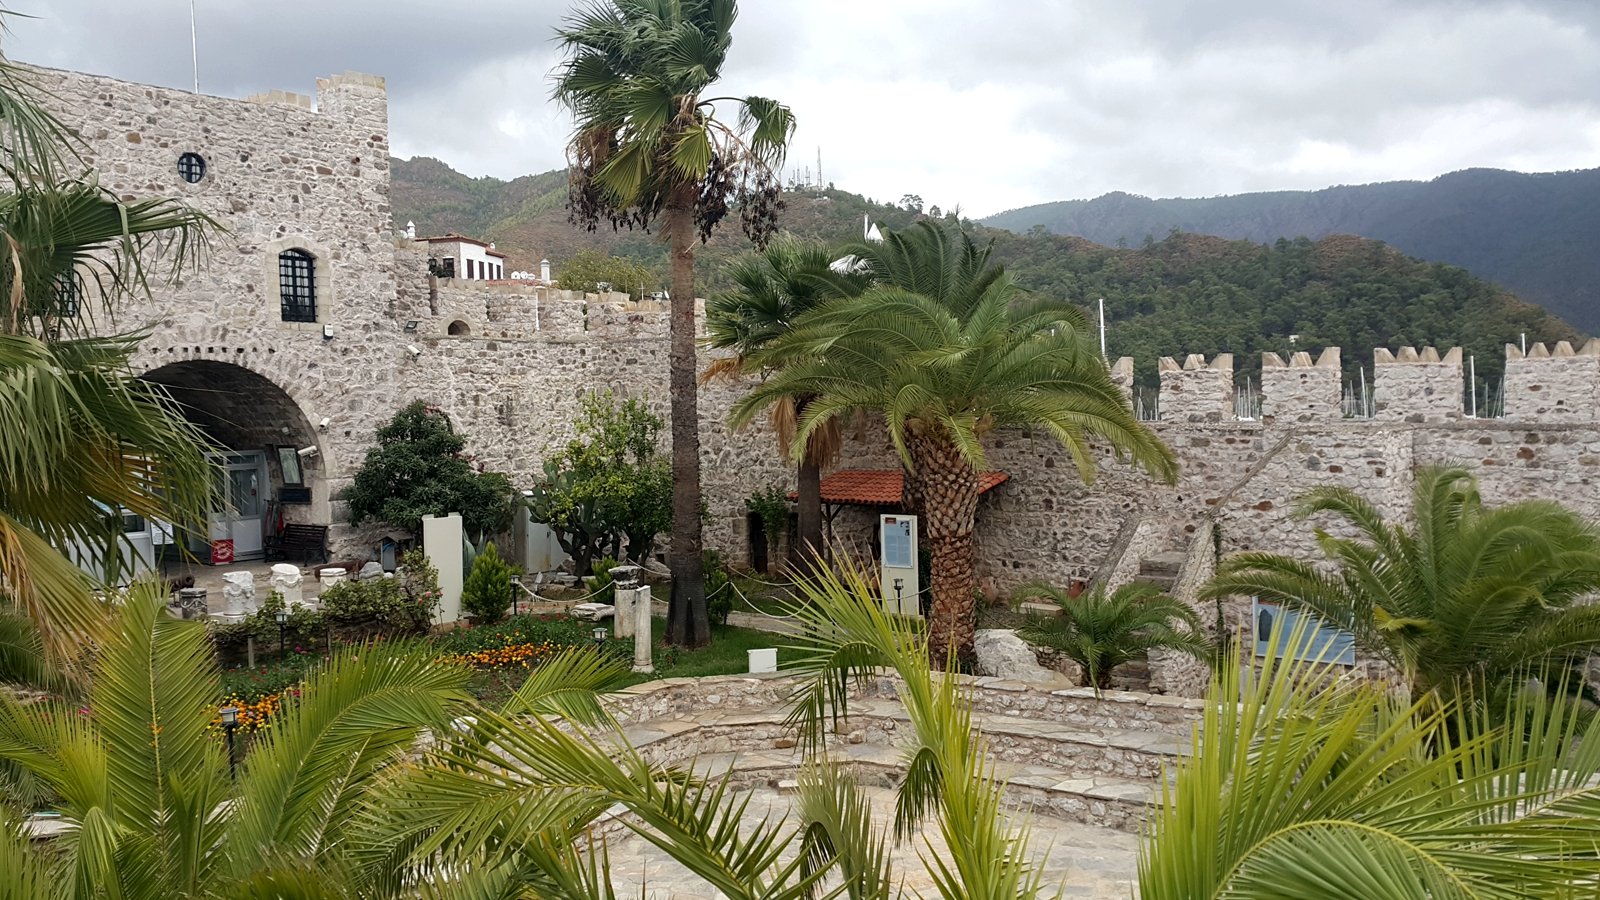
(1162, 564)
(1164, 582)
(1068, 750)
(1105, 800)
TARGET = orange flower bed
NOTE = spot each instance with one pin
(510, 655)
(255, 715)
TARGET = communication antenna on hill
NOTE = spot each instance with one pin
(820, 182)
(194, 48)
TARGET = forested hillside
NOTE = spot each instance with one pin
(1185, 293)
(1536, 234)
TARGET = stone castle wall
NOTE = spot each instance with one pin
(509, 362)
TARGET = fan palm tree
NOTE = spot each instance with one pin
(771, 289)
(143, 779)
(648, 148)
(508, 801)
(1101, 631)
(142, 776)
(1466, 591)
(81, 440)
(945, 346)
(1301, 784)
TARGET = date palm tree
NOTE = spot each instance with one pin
(1466, 591)
(81, 440)
(1302, 784)
(142, 777)
(648, 149)
(772, 289)
(946, 347)
(1101, 631)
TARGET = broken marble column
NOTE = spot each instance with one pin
(238, 593)
(625, 586)
(642, 630)
(289, 583)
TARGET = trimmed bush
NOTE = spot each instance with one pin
(487, 591)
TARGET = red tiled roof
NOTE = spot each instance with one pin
(882, 487)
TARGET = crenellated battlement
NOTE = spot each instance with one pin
(1301, 390)
(1197, 391)
(1553, 383)
(1411, 385)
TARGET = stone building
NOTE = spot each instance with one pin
(312, 322)
(454, 256)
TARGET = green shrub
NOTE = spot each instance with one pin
(420, 580)
(487, 591)
(305, 628)
(771, 505)
(604, 590)
(359, 610)
(719, 589)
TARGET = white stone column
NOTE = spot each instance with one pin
(642, 630)
(441, 542)
(625, 586)
(287, 581)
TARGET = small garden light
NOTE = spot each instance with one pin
(599, 637)
(230, 721)
(282, 618)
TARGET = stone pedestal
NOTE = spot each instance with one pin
(763, 661)
(192, 603)
(625, 585)
(289, 583)
(642, 631)
(330, 577)
(239, 593)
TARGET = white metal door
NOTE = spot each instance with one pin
(244, 491)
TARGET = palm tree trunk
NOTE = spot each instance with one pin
(688, 624)
(942, 489)
(808, 501)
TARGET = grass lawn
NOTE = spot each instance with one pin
(726, 655)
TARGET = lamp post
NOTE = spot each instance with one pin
(282, 618)
(230, 721)
(599, 638)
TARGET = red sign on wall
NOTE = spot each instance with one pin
(221, 552)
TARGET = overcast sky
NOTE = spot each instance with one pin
(991, 105)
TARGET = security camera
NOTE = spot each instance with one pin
(325, 422)
(307, 452)
(412, 349)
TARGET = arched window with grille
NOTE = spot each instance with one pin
(297, 285)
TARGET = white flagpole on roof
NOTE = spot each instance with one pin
(194, 48)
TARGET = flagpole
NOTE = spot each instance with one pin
(194, 48)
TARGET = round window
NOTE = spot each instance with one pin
(192, 167)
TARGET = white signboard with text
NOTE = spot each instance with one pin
(898, 580)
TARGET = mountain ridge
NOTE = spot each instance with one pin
(1534, 233)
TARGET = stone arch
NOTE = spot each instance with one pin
(260, 425)
(459, 328)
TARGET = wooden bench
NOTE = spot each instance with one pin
(304, 541)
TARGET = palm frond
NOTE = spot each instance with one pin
(353, 719)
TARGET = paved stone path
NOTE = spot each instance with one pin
(1084, 860)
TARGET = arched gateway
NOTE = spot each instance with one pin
(271, 470)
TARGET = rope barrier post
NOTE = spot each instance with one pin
(642, 630)
(625, 593)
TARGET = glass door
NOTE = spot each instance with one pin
(237, 528)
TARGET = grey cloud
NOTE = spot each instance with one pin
(990, 104)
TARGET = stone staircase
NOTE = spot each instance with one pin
(1160, 569)
(1063, 754)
